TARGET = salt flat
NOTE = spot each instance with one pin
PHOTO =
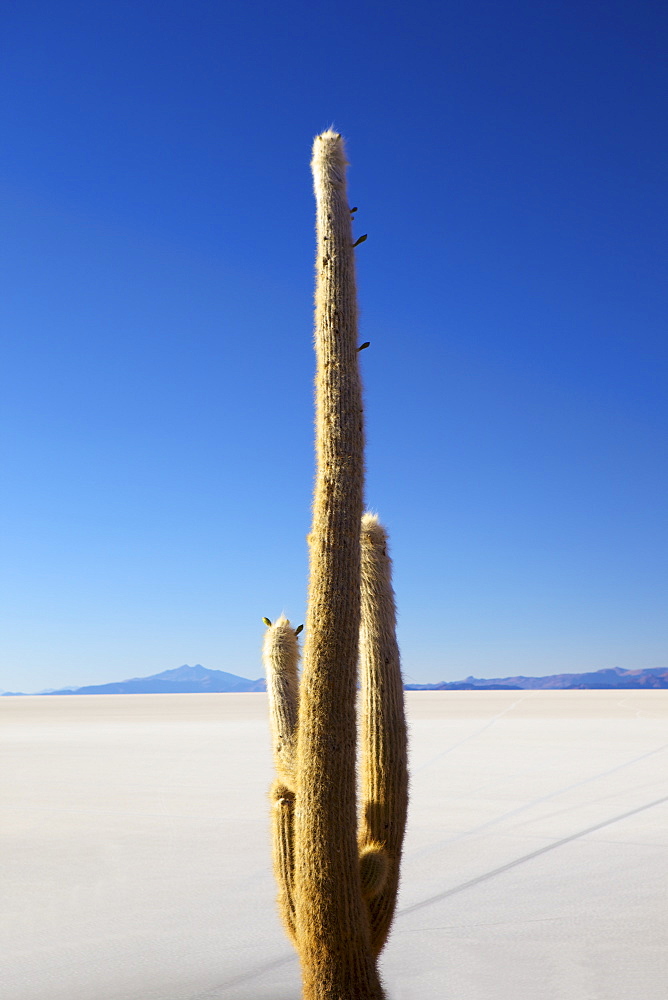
(136, 858)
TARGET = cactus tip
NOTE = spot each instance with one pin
(373, 532)
(371, 524)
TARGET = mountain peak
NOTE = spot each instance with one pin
(186, 673)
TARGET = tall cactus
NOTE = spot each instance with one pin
(338, 866)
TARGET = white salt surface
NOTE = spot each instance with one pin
(136, 853)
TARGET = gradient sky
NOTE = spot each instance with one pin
(509, 164)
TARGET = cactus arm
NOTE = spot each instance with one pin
(282, 829)
(280, 654)
(331, 919)
(384, 783)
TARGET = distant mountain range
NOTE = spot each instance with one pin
(190, 680)
(653, 677)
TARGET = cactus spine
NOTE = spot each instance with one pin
(338, 878)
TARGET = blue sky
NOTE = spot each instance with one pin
(509, 164)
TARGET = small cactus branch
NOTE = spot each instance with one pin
(281, 658)
(280, 654)
(374, 866)
(331, 918)
(384, 785)
(282, 823)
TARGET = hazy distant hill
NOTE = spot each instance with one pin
(181, 680)
(653, 677)
(186, 680)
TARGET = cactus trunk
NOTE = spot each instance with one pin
(337, 886)
(332, 927)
